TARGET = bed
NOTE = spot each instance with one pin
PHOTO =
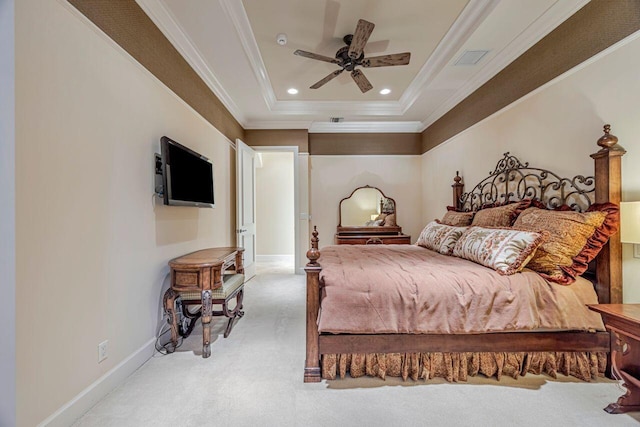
(419, 335)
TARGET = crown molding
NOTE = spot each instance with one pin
(166, 22)
(235, 12)
(474, 13)
(344, 127)
(279, 125)
(554, 16)
(365, 127)
(352, 108)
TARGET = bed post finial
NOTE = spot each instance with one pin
(458, 188)
(313, 253)
(609, 141)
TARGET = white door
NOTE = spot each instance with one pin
(245, 205)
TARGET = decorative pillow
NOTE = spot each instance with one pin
(373, 223)
(575, 239)
(500, 216)
(390, 220)
(457, 219)
(381, 218)
(507, 251)
(439, 237)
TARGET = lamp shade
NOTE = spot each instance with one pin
(630, 222)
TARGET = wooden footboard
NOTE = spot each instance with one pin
(312, 362)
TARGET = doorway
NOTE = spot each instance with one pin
(276, 210)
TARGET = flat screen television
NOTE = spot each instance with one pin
(187, 176)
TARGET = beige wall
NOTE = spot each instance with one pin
(335, 177)
(304, 204)
(7, 216)
(275, 222)
(92, 242)
(555, 128)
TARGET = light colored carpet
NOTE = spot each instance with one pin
(254, 378)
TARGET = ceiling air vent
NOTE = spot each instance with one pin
(471, 57)
(336, 119)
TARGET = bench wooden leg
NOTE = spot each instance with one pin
(206, 323)
(170, 308)
(234, 314)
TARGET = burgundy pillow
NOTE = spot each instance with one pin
(598, 239)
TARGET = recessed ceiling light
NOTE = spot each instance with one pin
(385, 91)
(292, 91)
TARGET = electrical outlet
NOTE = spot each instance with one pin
(102, 350)
(636, 251)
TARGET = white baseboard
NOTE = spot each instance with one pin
(276, 258)
(71, 411)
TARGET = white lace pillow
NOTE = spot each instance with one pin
(439, 237)
(505, 250)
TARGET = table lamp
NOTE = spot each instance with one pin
(630, 225)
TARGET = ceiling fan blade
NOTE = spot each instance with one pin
(311, 55)
(363, 83)
(360, 37)
(387, 60)
(326, 79)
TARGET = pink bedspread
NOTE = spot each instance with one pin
(409, 289)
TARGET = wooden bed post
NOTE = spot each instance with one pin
(458, 188)
(608, 162)
(313, 268)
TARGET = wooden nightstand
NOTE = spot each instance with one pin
(623, 320)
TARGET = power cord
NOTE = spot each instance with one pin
(168, 347)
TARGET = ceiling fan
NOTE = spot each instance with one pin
(352, 55)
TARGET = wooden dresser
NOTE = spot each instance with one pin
(371, 236)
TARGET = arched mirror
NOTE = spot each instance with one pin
(368, 217)
(367, 207)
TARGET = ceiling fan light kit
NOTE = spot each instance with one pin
(352, 55)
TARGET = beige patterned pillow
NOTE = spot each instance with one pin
(439, 237)
(568, 234)
(457, 219)
(505, 250)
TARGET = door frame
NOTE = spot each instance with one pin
(296, 196)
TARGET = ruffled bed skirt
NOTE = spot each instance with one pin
(459, 366)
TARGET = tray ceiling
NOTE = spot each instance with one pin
(232, 45)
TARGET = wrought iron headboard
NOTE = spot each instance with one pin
(513, 180)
